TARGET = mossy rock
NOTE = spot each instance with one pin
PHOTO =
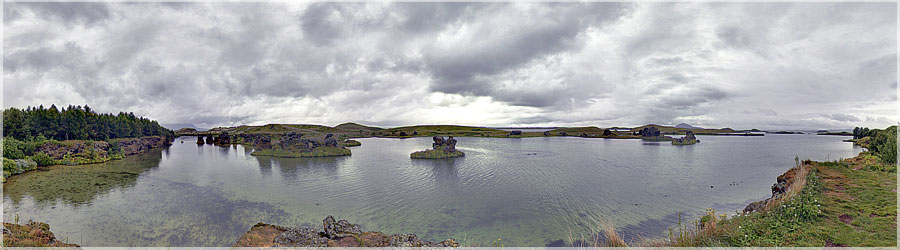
(436, 154)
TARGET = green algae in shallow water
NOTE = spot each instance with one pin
(316, 152)
(436, 154)
(79, 184)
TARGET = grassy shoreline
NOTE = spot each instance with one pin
(833, 204)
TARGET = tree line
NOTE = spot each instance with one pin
(76, 123)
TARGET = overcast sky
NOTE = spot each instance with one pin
(743, 65)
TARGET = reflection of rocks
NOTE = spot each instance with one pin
(336, 234)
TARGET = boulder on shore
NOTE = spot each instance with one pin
(335, 234)
(515, 132)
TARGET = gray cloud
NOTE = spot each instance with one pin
(815, 65)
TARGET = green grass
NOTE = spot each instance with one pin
(316, 152)
(435, 154)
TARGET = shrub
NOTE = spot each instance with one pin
(12, 148)
(42, 159)
(9, 167)
(885, 145)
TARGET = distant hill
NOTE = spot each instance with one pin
(685, 125)
(356, 127)
(178, 126)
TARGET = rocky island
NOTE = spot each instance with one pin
(688, 139)
(292, 145)
(335, 234)
(441, 149)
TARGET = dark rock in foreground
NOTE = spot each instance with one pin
(782, 183)
(336, 234)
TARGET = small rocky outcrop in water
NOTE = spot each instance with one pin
(515, 133)
(210, 140)
(546, 133)
(335, 234)
(688, 139)
(200, 140)
(223, 139)
(440, 149)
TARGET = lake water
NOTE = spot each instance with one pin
(527, 192)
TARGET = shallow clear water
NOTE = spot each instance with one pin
(528, 191)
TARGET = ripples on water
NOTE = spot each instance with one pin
(529, 192)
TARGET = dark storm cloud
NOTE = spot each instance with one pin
(388, 64)
(494, 46)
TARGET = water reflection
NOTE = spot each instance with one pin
(444, 171)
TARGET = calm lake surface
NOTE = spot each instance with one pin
(529, 192)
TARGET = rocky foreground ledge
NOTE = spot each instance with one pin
(32, 234)
(336, 234)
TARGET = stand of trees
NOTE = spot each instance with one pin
(76, 123)
(859, 132)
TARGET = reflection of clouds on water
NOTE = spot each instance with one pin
(295, 168)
